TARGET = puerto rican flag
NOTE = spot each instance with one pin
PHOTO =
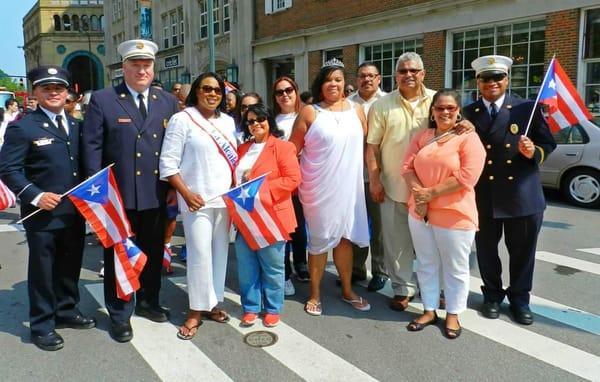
(7, 197)
(565, 105)
(166, 261)
(129, 262)
(99, 201)
(251, 210)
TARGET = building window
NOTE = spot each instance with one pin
(524, 42)
(85, 25)
(216, 17)
(272, 6)
(384, 55)
(203, 19)
(333, 53)
(136, 31)
(591, 59)
(216, 23)
(101, 19)
(66, 22)
(56, 22)
(165, 30)
(181, 29)
(117, 10)
(94, 23)
(174, 31)
(75, 20)
(226, 17)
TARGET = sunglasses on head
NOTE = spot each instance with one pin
(496, 77)
(209, 89)
(279, 92)
(250, 122)
(411, 71)
(441, 109)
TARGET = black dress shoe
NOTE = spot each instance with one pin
(49, 342)
(490, 310)
(121, 332)
(377, 283)
(153, 313)
(76, 322)
(522, 314)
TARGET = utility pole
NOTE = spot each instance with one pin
(211, 36)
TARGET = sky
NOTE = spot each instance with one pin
(12, 61)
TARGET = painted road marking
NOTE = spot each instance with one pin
(593, 251)
(586, 266)
(329, 367)
(151, 339)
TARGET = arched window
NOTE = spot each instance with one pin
(85, 25)
(102, 23)
(67, 22)
(75, 21)
(94, 23)
(56, 22)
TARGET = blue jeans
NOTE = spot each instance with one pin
(261, 276)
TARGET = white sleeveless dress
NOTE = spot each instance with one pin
(332, 188)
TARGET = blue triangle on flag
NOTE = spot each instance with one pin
(244, 196)
(95, 189)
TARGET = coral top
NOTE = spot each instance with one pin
(461, 157)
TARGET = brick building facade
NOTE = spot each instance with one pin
(448, 35)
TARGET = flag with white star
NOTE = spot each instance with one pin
(129, 263)
(251, 210)
(565, 106)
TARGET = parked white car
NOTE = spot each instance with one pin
(574, 167)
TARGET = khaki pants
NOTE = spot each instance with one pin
(399, 253)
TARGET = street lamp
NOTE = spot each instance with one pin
(87, 33)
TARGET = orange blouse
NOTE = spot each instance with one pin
(461, 157)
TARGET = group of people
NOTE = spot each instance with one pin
(410, 174)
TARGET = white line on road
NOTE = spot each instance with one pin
(593, 251)
(586, 266)
(545, 349)
(11, 228)
(171, 358)
(329, 367)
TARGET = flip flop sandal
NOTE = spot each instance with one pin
(313, 308)
(217, 315)
(358, 304)
(188, 336)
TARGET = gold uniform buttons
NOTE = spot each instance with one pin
(488, 147)
(138, 173)
(156, 153)
(508, 146)
(139, 136)
(68, 143)
(72, 158)
(138, 155)
(155, 172)
(508, 161)
(74, 173)
(154, 136)
(490, 162)
(510, 178)
(491, 177)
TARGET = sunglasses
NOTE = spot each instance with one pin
(441, 109)
(288, 91)
(250, 122)
(209, 89)
(497, 77)
(411, 71)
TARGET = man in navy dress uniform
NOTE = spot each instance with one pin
(39, 161)
(509, 193)
(125, 125)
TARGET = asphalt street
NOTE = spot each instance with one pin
(343, 344)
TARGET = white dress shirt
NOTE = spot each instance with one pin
(499, 102)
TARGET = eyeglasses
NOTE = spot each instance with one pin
(449, 109)
(250, 122)
(244, 107)
(496, 77)
(411, 71)
(368, 76)
(288, 91)
(209, 89)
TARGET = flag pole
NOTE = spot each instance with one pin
(64, 194)
(537, 99)
(240, 186)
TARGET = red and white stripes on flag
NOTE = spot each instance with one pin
(565, 105)
(129, 263)
(7, 197)
(251, 210)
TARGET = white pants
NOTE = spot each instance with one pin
(449, 250)
(207, 241)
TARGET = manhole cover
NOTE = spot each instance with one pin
(260, 339)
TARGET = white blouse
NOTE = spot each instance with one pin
(188, 150)
(285, 122)
(248, 161)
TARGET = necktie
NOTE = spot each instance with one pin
(142, 106)
(61, 127)
(493, 111)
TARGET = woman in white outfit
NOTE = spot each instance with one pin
(329, 135)
(197, 158)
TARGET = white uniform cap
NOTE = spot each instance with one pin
(492, 63)
(137, 49)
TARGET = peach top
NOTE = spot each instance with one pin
(461, 157)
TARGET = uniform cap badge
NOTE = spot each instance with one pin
(514, 129)
(52, 71)
(491, 61)
(139, 45)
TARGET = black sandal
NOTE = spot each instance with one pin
(453, 334)
(415, 326)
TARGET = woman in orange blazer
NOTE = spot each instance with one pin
(261, 273)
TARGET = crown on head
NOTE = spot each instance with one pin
(333, 62)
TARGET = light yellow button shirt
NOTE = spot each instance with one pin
(392, 124)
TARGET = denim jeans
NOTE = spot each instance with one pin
(261, 276)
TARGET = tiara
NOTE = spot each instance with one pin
(333, 62)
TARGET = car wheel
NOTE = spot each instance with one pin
(582, 188)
